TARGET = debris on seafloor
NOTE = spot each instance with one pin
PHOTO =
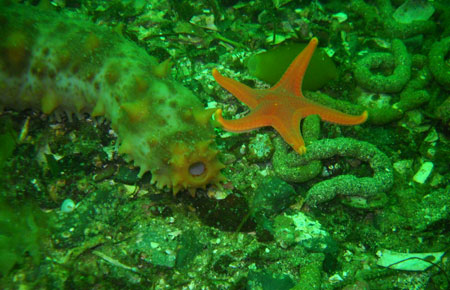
(408, 261)
(413, 10)
(424, 171)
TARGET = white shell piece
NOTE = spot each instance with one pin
(408, 261)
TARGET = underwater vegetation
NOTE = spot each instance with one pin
(22, 234)
(7, 141)
(269, 66)
(121, 166)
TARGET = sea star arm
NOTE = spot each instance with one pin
(256, 119)
(293, 77)
(282, 106)
(244, 93)
(288, 126)
(331, 115)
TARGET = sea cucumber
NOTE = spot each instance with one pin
(61, 64)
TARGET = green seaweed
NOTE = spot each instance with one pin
(269, 66)
(21, 233)
(8, 139)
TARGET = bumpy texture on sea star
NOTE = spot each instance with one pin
(283, 105)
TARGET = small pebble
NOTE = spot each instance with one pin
(340, 17)
(68, 205)
(423, 172)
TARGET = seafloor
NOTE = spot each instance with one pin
(75, 215)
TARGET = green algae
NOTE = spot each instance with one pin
(310, 276)
(266, 280)
(22, 229)
(272, 197)
(269, 66)
(8, 139)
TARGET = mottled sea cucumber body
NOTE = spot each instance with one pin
(62, 64)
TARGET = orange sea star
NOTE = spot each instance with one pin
(283, 105)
